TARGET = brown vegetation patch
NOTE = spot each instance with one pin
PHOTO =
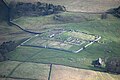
(67, 73)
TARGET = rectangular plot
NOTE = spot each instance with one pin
(68, 73)
(23, 53)
(32, 71)
(55, 44)
(74, 48)
(65, 46)
(35, 41)
(66, 40)
(78, 35)
(45, 43)
(7, 66)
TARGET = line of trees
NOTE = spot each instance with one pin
(4, 12)
(6, 47)
(113, 65)
(34, 9)
(115, 11)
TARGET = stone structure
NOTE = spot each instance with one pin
(97, 63)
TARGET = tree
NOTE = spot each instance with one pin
(6, 47)
(115, 12)
(33, 9)
(4, 12)
(113, 65)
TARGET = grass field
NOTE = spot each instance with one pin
(81, 5)
(109, 44)
(40, 24)
(24, 70)
(32, 71)
(108, 29)
(79, 35)
(8, 33)
(27, 70)
(7, 67)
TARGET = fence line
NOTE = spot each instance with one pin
(50, 72)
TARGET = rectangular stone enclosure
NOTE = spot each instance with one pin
(61, 39)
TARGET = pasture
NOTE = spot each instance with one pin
(15, 70)
(27, 62)
(108, 29)
(24, 70)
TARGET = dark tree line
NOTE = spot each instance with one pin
(6, 47)
(4, 12)
(115, 11)
(34, 9)
(113, 65)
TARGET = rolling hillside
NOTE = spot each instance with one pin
(81, 5)
(38, 63)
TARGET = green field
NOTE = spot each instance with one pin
(16, 70)
(41, 24)
(108, 29)
(108, 46)
(24, 70)
(8, 33)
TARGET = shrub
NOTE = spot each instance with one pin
(113, 65)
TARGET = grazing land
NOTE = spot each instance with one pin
(62, 31)
(105, 28)
(9, 33)
(24, 70)
(36, 71)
